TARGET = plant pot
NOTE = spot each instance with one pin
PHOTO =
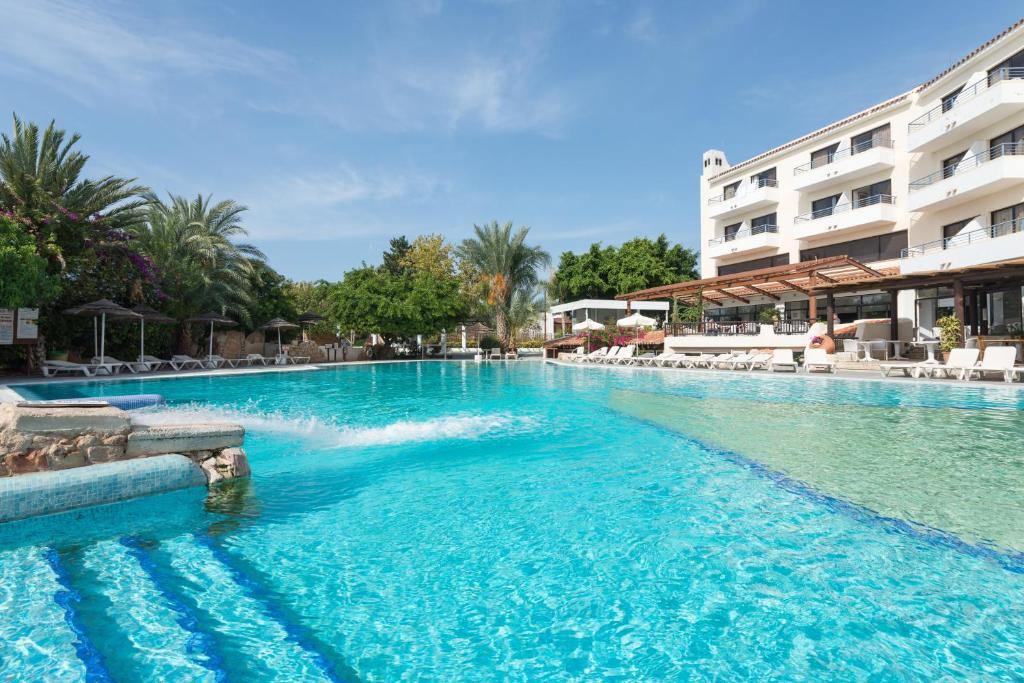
(945, 357)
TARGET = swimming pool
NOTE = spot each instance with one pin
(460, 521)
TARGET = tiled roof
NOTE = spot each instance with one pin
(973, 53)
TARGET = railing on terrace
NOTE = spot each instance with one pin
(848, 206)
(965, 95)
(741, 234)
(970, 163)
(844, 153)
(732, 328)
(763, 182)
(973, 237)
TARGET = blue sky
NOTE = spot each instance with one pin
(343, 124)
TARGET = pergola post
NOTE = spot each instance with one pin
(830, 313)
(958, 300)
(812, 302)
(976, 317)
(894, 318)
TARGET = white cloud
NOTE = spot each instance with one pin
(642, 28)
(346, 185)
(85, 48)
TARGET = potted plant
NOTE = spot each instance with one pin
(766, 320)
(951, 334)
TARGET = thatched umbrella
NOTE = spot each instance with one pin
(278, 324)
(309, 318)
(153, 316)
(212, 318)
(102, 309)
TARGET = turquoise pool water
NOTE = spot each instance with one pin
(447, 521)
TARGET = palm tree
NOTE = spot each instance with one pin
(41, 188)
(201, 267)
(506, 265)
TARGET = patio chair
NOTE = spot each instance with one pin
(153, 362)
(782, 358)
(495, 354)
(760, 360)
(237, 362)
(512, 355)
(52, 368)
(959, 360)
(626, 355)
(183, 362)
(713, 360)
(817, 359)
(111, 365)
(998, 359)
(609, 357)
(594, 355)
(653, 360)
(737, 361)
(296, 360)
(577, 354)
(690, 361)
(255, 358)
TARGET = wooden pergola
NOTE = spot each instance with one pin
(807, 278)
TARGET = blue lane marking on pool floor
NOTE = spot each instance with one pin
(95, 666)
(199, 643)
(298, 634)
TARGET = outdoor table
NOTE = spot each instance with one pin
(929, 346)
(865, 348)
(896, 345)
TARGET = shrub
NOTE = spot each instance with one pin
(489, 341)
(951, 332)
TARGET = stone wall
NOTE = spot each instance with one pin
(47, 438)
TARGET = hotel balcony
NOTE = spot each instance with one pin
(860, 160)
(869, 212)
(975, 108)
(764, 194)
(995, 169)
(985, 245)
(745, 241)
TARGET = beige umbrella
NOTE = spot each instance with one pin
(212, 318)
(102, 309)
(278, 324)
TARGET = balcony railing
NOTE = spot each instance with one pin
(965, 95)
(841, 154)
(974, 236)
(969, 163)
(741, 234)
(761, 182)
(848, 206)
(733, 328)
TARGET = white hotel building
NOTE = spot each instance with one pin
(929, 181)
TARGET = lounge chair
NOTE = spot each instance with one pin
(689, 361)
(593, 356)
(182, 362)
(738, 361)
(710, 362)
(609, 357)
(255, 358)
(52, 368)
(999, 359)
(817, 359)
(111, 365)
(655, 359)
(782, 358)
(495, 354)
(299, 360)
(237, 362)
(577, 354)
(959, 360)
(760, 360)
(153, 363)
(626, 355)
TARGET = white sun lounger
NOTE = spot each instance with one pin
(594, 356)
(609, 357)
(577, 354)
(255, 358)
(817, 359)
(299, 360)
(782, 358)
(111, 365)
(998, 359)
(713, 360)
(959, 360)
(760, 360)
(52, 368)
(655, 360)
(627, 355)
(153, 362)
(739, 361)
(182, 362)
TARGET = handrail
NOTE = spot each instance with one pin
(844, 153)
(980, 235)
(969, 163)
(847, 206)
(762, 182)
(741, 234)
(732, 328)
(997, 76)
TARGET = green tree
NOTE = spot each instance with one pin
(24, 280)
(604, 273)
(506, 265)
(192, 244)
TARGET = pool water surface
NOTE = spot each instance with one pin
(521, 521)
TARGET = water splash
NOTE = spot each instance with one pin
(327, 434)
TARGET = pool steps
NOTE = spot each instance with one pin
(138, 609)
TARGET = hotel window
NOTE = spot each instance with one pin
(847, 308)
(950, 100)
(949, 165)
(949, 232)
(729, 191)
(824, 206)
(1010, 68)
(763, 178)
(866, 250)
(879, 137)
(823, 156)
(1005, 221)
(1007, 143)
(755, 264)
(731, 230)
(761, 222)
(880, 192)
